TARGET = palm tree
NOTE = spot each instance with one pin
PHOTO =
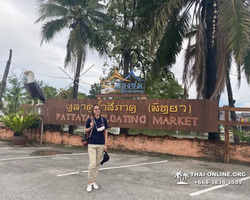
(84, 19)
(223, 29)
(185, 177)
(179, 175)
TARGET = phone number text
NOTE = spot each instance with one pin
(218, 182)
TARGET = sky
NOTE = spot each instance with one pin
(19, 33)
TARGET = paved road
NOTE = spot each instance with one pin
(26, 175)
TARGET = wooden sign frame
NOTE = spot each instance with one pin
(182, 115)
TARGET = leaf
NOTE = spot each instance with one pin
(169, 48)
(246, 66)
(50, 10)
(52, 27)
(17, 123)
(233, 16)
(222, 61)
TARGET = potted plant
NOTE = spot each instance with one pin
(18, 124)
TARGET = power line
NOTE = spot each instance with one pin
(41, 74)
(53, 76)
(18, 66)
(85, 83)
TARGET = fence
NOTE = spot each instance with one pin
(227, 123)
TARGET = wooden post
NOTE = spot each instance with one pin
(226, 158)
(41, 142)
(5, 76)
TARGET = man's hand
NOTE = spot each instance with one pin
(105, 148)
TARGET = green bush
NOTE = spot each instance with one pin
(245, 137)
(19, 123)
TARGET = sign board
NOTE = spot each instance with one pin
(183, 115)
(117, 84)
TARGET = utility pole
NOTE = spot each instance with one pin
(5, 76)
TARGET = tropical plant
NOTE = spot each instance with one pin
(223, 29)
(85, 20)
(19, 123)
(190, 58)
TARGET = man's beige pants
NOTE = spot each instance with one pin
(95, 158)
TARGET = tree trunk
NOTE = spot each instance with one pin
(125, 74)
(126, 63)
(231, 104)
(76, 87)
(5, 76)
(126, 54)
(211, 69)
(76, 79)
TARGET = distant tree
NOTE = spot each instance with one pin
(164, 87)
(14, 96)
(49, 91)
(128, 50)
(67, 94)
(95, 89)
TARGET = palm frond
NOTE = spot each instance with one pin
(162, 17)
(169, 48)
(70, 59)
(191, 33)
(222, 61)
(246, 66)
(188, 65)
(96, 6)
(50, 10)
(99, 17)
(155, 21)
(52, 27)
(78, 43)
(145, 10)
(187, 77)
(199, 69)
(93, 38)
(234, 17)
(69, 3)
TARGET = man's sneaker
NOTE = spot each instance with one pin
(95, 186)
(89, 187)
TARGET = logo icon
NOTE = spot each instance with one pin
(182, 177)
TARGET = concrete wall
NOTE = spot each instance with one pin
(174, 146)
